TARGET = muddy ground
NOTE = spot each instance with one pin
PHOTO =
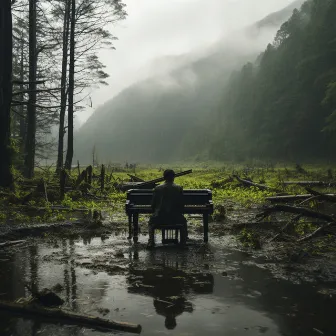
(305, 260)
(221, 288)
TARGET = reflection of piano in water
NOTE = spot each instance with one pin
(169, 286)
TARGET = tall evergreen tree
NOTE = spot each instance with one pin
(31, 111)
(6, 53)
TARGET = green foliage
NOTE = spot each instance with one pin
(2, 217)
(302, 228)
(215, 177)
(249, 238)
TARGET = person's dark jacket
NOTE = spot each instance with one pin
(167, 201)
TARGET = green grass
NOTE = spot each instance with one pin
(205, 176)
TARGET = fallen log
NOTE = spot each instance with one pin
(221, 183)
(161, 179)
(53, 207)
(125, 186)
(311, 183)
(313, 234)
(295, 210)
(293, 198)
(11, 243)
(253, 184)
(308, 200)
(324, 197)
(288, 198)
(285, 228)
(135, 178)
(147, 184)
(67, 317)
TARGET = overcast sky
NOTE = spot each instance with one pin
(156, 28)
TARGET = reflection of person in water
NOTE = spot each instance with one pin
(170, 308)
(170, 322)
(169, 286)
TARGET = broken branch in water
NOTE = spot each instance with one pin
(67, 317)
(11, 243)
(296, 210)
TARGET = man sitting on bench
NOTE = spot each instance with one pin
(167, 205)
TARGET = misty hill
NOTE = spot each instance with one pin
(278, 18)
(170, 116)
(284, 105)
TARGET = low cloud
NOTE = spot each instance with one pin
(157, 29)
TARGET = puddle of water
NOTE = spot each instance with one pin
(201, 290)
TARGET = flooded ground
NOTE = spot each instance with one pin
(200, 290)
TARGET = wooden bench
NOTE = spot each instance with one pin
(172, 234)
(196, 201)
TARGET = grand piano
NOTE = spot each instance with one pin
(196, 201)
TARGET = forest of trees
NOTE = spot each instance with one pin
(279, 106)
(48, 63)
(283, 106)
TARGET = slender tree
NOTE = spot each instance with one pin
(65, 48)
(88, 34)
(31, 111)
(69, 155)
(6, 53)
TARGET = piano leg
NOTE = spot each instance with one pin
(135, 227)
(130, 227)
(205, 227)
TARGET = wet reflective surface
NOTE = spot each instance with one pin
(200, 290)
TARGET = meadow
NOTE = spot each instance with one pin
(34, 201)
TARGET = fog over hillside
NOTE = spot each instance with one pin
(157, 118)
(158, 29)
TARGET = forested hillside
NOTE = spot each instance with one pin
(281, 107)
(276, 106)
(152, 120)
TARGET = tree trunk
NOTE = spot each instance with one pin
(11, 243)
(296, 210)
(66, 24)
(310, 183)
(57, 315)
(70, 151)
(6, 53)
(31, 110)
(22, 129)
(253, 184)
